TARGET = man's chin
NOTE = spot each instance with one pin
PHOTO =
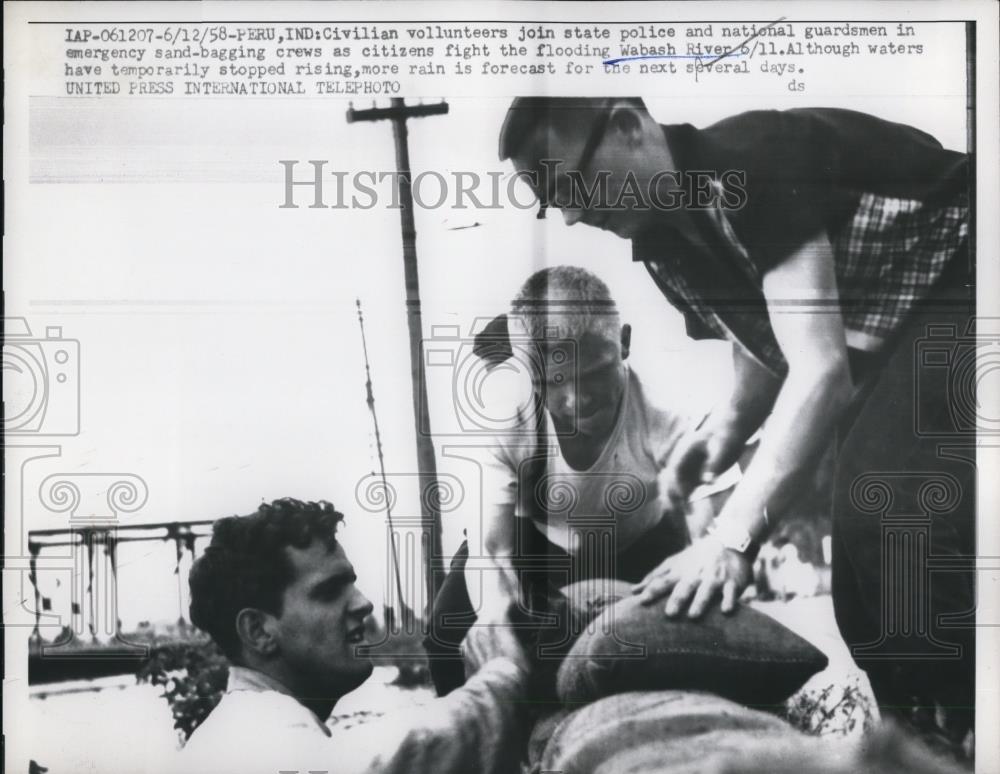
(364, 663)
(626, 230)
(361, 660)
(592, 427)
(363, 669)
(618, 222)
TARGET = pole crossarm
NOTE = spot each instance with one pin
(397, 112)
(168, 530)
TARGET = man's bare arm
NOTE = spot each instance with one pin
(755, 390)
(816, 391)
(811, 400)
(498, 583)
(475, 728)
(718, 443)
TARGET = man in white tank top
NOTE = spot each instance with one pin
(579, 478)
(604, 469)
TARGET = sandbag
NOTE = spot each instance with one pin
(746, 656)
(663, 731)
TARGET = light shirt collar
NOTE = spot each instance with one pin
(245, 679)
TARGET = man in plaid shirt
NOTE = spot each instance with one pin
(825, 244)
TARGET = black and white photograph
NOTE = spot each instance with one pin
(510, 387)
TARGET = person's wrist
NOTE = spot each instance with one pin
(518, 665)
(733, 535)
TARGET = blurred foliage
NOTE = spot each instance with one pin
(840, 710)
(193, 675)
(412, 675)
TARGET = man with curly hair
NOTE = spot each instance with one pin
(277, 593)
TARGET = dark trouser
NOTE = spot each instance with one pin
(904, 513)
(542, 568)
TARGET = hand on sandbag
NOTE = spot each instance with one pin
(693, 578)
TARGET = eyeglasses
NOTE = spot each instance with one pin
(590, 147)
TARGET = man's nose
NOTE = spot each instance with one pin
(572, 215)
(362, 606)
(565, 399)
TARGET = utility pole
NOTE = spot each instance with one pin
(398, 112)
(370, 400)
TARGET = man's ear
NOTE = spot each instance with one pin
(626, 340)
(626, 120)
(256, 631)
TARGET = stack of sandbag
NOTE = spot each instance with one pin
(681, 732)
(644, 693)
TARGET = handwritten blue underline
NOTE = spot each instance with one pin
(668, 56)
